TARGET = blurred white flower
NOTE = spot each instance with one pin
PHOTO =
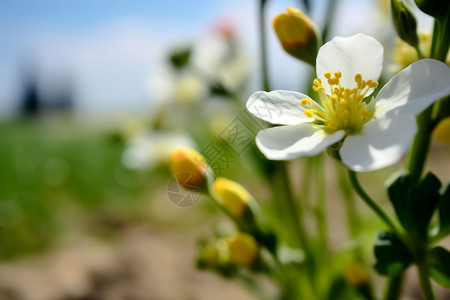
(153, 148)
(404, 54)
(220, 60)
(184, 86)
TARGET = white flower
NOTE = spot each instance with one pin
(369, 134)
(185, 87)
(220, 60)
(153, 148)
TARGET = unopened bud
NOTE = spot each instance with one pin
(442, 131)
(298, 34)
(404, 22)
(356, 274)
(243, 249)
(235, 198)
(188, 167)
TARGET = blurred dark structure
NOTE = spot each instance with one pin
(30, 101)
(54, 97)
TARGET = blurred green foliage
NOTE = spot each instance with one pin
(53, 172)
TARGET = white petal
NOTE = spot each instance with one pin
(279, 107)
(413, 89)
(382, 143)
(352, 55)
(289, 142)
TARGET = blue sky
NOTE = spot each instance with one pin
(112, 47)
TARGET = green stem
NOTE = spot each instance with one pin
(291, 283)
(441, 37)
(350, 207)
(321, 217)
(294, 209)
(353, 220)
(394, 287)
(281, 166)
(321, 206)
(306, 184)
(419, 52)
(329, 17)
(262, 46)
(366, 198)
(421, 145)
(255, 287)
(422, 268)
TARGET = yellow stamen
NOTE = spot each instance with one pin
(373, 85)
(305, 101)
(365, 114)
(332, 125)
(309, 113)
(344, 108)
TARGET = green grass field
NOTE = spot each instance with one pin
(52, 173)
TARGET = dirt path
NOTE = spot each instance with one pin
(139, 265)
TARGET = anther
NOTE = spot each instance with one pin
(327, 74)
(305, 101)
(365, 114)
(309, 113)
(332, 125)
(373, 84)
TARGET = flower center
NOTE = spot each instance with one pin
(344, 109)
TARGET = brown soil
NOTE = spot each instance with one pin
(139, 265)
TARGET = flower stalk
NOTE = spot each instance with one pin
(368, 200)
(394, 287)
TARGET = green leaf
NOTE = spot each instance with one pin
(399, 192)
(415, 205)
(439, 260)
(425, 200)
(392, 255)
(444, 211)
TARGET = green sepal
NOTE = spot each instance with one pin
(439, 262)
(444, 212)
(415, 205)
(392, 255)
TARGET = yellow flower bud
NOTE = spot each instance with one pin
(356, 274)
(442, 131)
(243, 249)
(298, 34)
(234, 196)
(188, 166)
